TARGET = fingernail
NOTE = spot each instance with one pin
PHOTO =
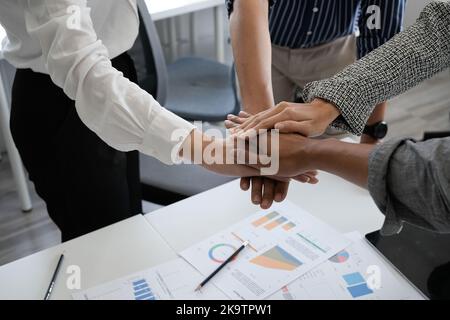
(256, 200)
(278, 197)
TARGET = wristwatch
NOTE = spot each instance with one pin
(377, 130)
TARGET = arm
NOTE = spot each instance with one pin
(391, 13)
(408, 180)
(250, 38)
(252, 50)
(348, 98)
(403, 62)
(117, 110)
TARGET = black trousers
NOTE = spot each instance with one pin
(85, 183)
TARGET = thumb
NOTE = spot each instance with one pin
(301, 127)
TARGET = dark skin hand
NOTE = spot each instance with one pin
(298, 154)
(264, 191)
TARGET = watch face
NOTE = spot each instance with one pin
(380, 130)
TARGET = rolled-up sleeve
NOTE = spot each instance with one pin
(410, 182)
(117, 110)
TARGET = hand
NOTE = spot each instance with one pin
(294, 156)
(233, 122)
(306, 119)
(265, 190)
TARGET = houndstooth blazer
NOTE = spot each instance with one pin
(403, 62)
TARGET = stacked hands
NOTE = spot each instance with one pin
(295, 122)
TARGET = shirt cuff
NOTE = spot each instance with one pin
(339, 92)
(379, 161)
(165, 135)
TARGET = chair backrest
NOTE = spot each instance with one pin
(151, 66)
(148, 57)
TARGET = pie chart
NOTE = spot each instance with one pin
(221, 252)
(340, 257)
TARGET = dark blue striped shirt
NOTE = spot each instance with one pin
(309, 23)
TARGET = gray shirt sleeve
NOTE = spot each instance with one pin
(403, 62)
(410, 182)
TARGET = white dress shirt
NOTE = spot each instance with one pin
(41, 35)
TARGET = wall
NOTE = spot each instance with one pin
(413, 9)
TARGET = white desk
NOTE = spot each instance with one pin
(338, 203)
(137, 243)
(120, 249)
(168, 9)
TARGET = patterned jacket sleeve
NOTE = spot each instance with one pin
(403, 62)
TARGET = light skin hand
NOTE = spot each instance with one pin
(303, 120)
(250, 39)
(307, 119)
(196, 142)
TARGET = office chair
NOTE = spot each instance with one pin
(193, 88)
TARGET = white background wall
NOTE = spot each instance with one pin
(413, 9)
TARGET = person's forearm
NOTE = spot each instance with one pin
(347, 160)
(403, 62)
(377, 114)
(252, 51)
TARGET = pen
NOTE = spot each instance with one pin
(201, 285)
(53, 281)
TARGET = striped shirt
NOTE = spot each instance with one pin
(309, 23)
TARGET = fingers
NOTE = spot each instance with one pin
(290, 126)
(234, 121)
(244, 114)
(257, 185)
(230, 124)
(303, 178)
(307, 178)
(268, 193)
(256, 119)
(281, 190)
(265, 191)
(269, 122)
(245, 184)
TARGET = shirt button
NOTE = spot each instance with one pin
(309, 33)
(316, 10)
